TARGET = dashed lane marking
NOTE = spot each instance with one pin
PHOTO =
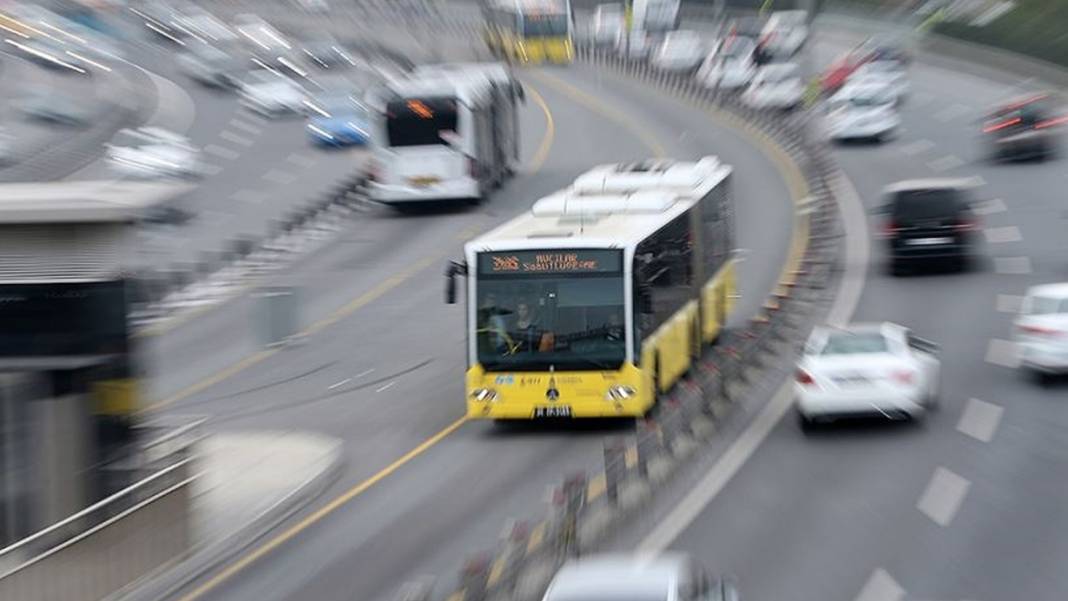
(248, 196)
(943, 496)
(917, 147)
(994, 205)
(1009, 303)
(881, 586)
(277, 176)
(980, 419)
(1012, 265)
(245, 127)
(211, 169)
(1002, 352)
(221, 152)
(240, 140)
(945, 163)
(300, 160)
(1001, 235)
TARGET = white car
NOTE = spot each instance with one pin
(272, 94)
(1042, 330)
(776, 86)
(636, 46)
(152, 152)
(681, 51)
(890, 73)
(879, 369)
(608, 24)
(731, 66)
(666, 577)
(785, 32)
(865, 112)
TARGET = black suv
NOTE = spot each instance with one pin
(929, 220)
(1022, 129)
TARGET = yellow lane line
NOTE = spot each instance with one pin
(599, 106)
(597, 487)
(536, 537)
(546, 145)
(326, 510)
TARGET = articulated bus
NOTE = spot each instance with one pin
(530, 31)
(600, 298)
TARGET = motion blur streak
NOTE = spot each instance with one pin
(330, 507)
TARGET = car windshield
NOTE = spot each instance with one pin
(913, 205)
(420, 121)
(1024, 115)
(1047, 305)
(542, 309)
(853, 343)
(544, 25)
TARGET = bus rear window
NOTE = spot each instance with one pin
(420, 121)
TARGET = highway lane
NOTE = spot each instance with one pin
(456, 496)
(968, 504)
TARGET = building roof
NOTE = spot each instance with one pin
(84, 202)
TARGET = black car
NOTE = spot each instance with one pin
(929, 221)
(1025, 128)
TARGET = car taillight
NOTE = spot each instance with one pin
(804, 378)
(993, 127)
(1040, 330)
(472, 167)
(969, 224)
(891, 228)
(1051, 122)
(903, 376)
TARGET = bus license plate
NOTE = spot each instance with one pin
(423, 182)
(556, 411)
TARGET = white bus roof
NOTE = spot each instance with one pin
(467, 87)
(494, 71)
(633, 201)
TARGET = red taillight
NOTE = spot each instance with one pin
(904, 376)
(804, 378)
(1051, 122)
(472, 167)
(967, 225)
(993, 127)
(1039, 330)
(890, 228)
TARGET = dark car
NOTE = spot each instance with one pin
(929, 221)
(1025, 128)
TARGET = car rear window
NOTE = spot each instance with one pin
(912, 205)
(850, 343)
(1048, 305)
(1028, 114)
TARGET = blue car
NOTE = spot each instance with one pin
(338, 122)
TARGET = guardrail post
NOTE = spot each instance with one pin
(648, 443)
(615, 466)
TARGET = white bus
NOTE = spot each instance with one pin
(655, 16)
(448, 132)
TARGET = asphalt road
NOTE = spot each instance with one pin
(970, 503)
(385, 372)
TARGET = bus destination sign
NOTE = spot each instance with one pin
(550, 262)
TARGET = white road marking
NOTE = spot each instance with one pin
(245, 127)
(977, 181)
(230, 136)
(994, 205)
(881, 587)
(300, 160)
(945, 163)
(222, 152)
(980, 419)
(1009, 303)
(247, 195)
(341, 383)
(386, 387)
(1003, 353)
(277, 176)
(917, 147)
(1012, 265)
(364, 373)
(951, 112)
(858, 249)
(1001, 235)
(943, 496)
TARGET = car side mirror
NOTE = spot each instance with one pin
(453, 269)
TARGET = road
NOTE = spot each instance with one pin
(968, 504)
(385, 372)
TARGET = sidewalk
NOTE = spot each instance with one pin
(250, 482)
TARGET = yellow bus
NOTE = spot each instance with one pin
(530, 31)
(600, 298)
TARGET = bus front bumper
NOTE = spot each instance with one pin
(455, 189)
(590, 408)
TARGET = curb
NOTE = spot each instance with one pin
(182, 573)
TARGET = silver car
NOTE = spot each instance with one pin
(667, 577)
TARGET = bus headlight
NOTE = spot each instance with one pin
(484, 395)
(619, 393)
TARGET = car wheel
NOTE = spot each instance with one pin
(1044, 379)
(898, 269)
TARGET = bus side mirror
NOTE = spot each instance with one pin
(520, 92)
(451, 271)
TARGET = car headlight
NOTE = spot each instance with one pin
(484, 395)
(619, 393)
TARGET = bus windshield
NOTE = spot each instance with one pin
(544, 25)
(542, 309)
(420, 121)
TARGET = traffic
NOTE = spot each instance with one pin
(625, 198)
